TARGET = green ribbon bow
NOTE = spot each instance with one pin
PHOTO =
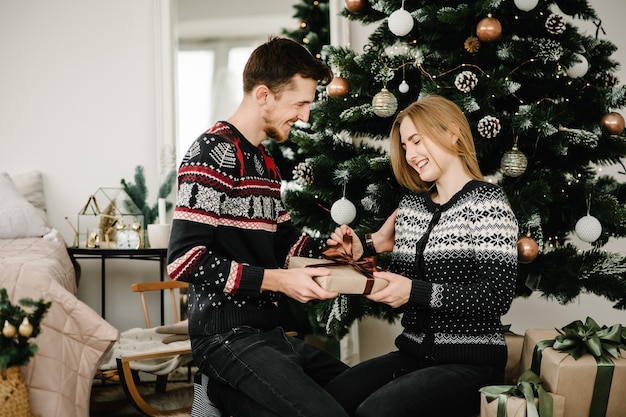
(529, 386)
(603, 343)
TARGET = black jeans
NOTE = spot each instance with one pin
(398, 385)
(254, 373)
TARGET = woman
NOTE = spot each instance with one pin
(453, 273)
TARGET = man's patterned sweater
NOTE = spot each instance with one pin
(229, 225)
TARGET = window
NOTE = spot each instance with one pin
(195, 75)
(209, 86)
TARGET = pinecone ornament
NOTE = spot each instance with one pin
(608, 80)
(489, 127)
(466, 81)
(303, 174)
(555, 24)
(472, 44)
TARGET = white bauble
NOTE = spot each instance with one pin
(526, 5)
(588, 228)
(400, 22)
(403, 87)
(343, 211)
(578, 69)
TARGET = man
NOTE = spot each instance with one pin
(231, 237)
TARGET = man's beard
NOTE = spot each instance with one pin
(272, 132)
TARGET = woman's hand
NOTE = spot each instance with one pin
(336, 238)
(396, 294)
(384, 238)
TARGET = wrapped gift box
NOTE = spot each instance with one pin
(516, 407)
(344, 279)
(574, 379)
(514, 343)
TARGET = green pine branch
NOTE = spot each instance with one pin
(16, 343)
(138, 193)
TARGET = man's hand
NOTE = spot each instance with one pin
(297, 283)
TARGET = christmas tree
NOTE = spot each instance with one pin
(314, 29)
(541, 97)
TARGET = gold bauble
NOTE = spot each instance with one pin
(384, 104)
(489, 29)
(25, 329)
(338, 87)
(356, 6)
(613, 123)
(527, 249)
(8, 330)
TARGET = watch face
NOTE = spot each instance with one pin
(128, 239)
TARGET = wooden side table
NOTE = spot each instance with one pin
(149, 254)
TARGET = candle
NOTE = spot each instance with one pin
(162, 219)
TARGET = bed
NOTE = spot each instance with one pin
(34, 263)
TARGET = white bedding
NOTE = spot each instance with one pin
(137, 341)
(73, 338)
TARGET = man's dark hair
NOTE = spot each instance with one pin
(276, 62)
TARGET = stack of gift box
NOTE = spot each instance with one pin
(581, 367)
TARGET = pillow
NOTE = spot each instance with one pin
(18, 218)
(30, 185)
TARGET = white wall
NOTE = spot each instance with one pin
(81, 99)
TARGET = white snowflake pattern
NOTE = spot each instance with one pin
(184, 194)
(208, 199)
(238, 207)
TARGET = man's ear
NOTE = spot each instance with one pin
(261, 93)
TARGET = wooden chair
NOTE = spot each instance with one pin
(128, 376)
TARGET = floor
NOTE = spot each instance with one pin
(109, 400)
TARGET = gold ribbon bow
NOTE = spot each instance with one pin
(341, 256)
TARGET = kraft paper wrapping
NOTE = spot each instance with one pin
(514, 343)
(516, 407)
(574, 379)
(343, 279)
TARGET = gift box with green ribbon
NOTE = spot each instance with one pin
(584, 362)
(514, 343)
(527, 398)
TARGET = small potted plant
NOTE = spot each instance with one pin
(158, 233)
(20, 324)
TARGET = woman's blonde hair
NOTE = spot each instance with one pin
(434, 117)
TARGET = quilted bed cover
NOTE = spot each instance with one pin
(73, 337)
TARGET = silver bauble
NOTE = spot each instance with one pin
(513, 163)
(384, 104)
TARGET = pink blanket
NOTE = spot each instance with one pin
(73, 338)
